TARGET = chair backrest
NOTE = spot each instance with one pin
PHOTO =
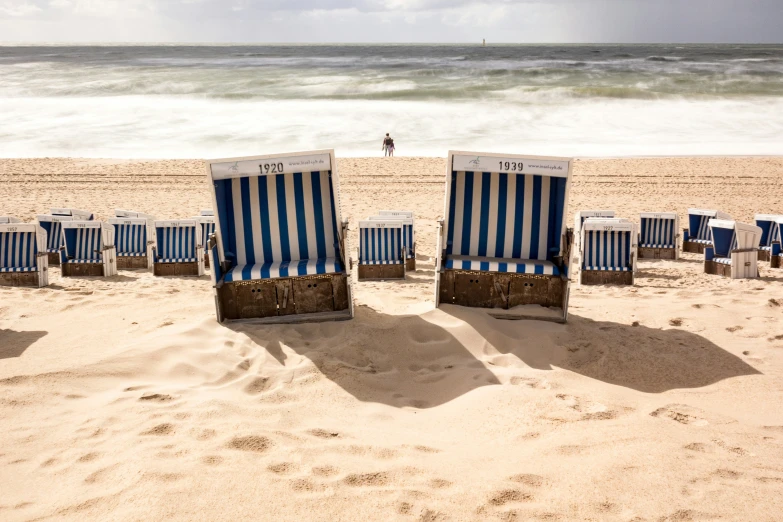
(75, 213)
(9, 219)
(730, 235)
(206, 224)
(85, 240)
(768, 225)
(20, 244)
(275, 209)
(775, 236)
(607, 243)
(510, 207)
(177, 239)
(659, 229)
(698, 219)
(53, 226)
(380, 240)
(406, 218)
(131, 235)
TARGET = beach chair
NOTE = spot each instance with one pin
(52, 223)
(381, 249)
(734, 252)
(697, 236)
(608, 252)
(178, 250)
(503, 242)
(206, 225)
(769, 231)
(658, 235)
(776, 256)
(133, 234)
(23, 257)
(408, 234)
(88, 249)
(279, 252)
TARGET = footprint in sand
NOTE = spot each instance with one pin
(506, 496)
(212, 460)
(160, 429)
(156, 397)
(367, 479)
(534, 481)
(324, 434)
(325, 471)
(254, 443)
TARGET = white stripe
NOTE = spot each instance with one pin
(307, 190)
(274, 221)
(239, 222)
(528, 216)
(255, 214)
(475, 221)
(459, 210)
(492, 228)
(290, 207)
(326, 204)
(543, 222)
(511, 205)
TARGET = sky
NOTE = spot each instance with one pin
(392, 21)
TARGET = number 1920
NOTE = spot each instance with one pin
(271, 168)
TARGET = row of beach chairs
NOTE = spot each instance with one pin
(276, 242)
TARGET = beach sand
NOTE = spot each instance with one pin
(124, 399)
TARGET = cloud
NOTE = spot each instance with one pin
(18, 8)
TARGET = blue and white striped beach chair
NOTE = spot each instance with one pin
(206, 225)
(408, 234)
(52, 223)
(503, 241)
(178, 250)
(381, 249)
(23, 257)
(770, 233)
(734, 252)
(88, 249)
(776, 247)
(279, 253)
(133, 234)
(608, 251)
(658, 235)
(697, 236)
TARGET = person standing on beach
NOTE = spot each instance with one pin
(388, 145)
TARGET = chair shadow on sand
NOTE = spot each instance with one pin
(13, 343)
(424, 361)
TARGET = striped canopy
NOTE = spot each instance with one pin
(18, 249)
(131, 237)
(176, 241)
(608, 245)
(84, 240)
(381, 243)
(659, 231)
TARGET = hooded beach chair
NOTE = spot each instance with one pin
(608, 252)
(206, 226)
(279, 252)
(776, 255)
(88, 249)
(52, 223)
(133, 235)
(408, 234)
(23, 257)
(658, 235)
(381, 249)
(770, 233)
(503, 241)
(178, 250)
(734, 252)
(697, 236)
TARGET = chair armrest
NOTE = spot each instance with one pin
(709, 254)
(685, 234)
(740, 250)
(776, 249)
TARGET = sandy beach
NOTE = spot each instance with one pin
(123, 398)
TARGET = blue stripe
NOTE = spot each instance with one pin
(536, 217)
(320, 236)
(266, 231)
(301, 219)
(484, 219)
(467, 214)
(518, 216)
(502, 267)
(225, 211)
(247, 218)
(282, 219)
(500, 236)
(452, 206)
(557, 188)
(538, 269)
(484, 266)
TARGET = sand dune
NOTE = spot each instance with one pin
(123, 399)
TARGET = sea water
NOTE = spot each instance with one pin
(171, 101)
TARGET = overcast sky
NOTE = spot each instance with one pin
(316, 21)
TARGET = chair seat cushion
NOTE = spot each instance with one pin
(650, 245)
(277, 269)
(19, 269)
(494, 264)
(392, 262)
(131, 254)
(702, 241)
(767, 248)
(85, 261)
(609, 268)
(722, 260)
(53, 250)
(177, 260)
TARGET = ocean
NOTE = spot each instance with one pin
(205, 101)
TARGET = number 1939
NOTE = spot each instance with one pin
(511, 166)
